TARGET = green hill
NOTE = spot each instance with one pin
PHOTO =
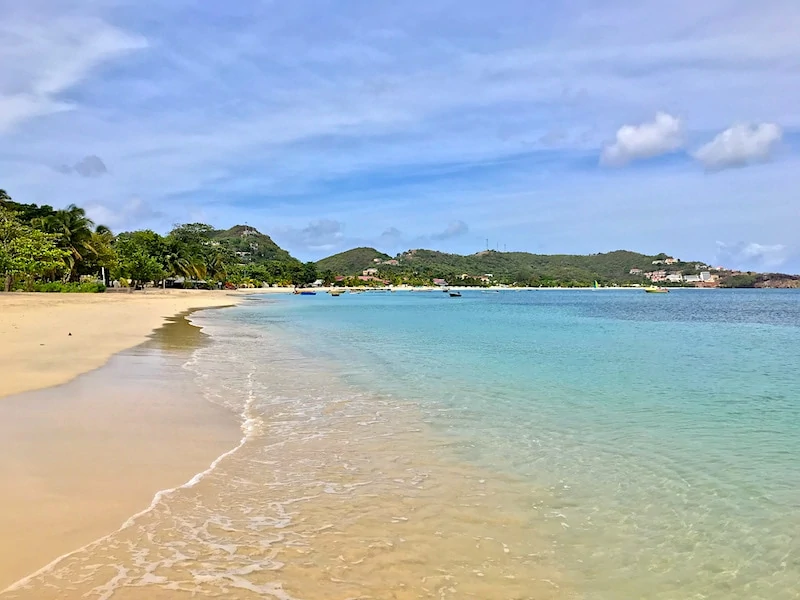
(250, 244)
(352, 262)
(504, 267)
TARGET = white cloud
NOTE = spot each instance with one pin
(741, 145)
(751, 255)
(634, 142)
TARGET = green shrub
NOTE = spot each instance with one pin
(65, 288)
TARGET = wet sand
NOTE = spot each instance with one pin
(79, 459)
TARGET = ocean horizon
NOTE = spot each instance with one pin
(567, 444)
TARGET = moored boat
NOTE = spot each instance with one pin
(455, 294)
(656, 290)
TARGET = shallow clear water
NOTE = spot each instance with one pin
(666, 429)
(547, 444)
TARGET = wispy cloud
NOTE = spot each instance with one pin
(392, 120)
(135, 211)
(88, 166)
(453, 230)
(752, 255)
(45, 57)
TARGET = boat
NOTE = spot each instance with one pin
(455, 294)
(596, 285)
(307, 293)
(336, 292)
(656, 290)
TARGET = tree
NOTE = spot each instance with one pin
(303, 274)
(76, 235)
(217, 267)
(137, 254)
(179, 261)
(25, 251)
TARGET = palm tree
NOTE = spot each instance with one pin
(178, 261)
(216, 267)
(76, 235)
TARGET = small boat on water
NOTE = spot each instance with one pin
(336, 292)
(455, 294)
(656, 290)
(305, 293)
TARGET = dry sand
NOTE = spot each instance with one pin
(36, 350)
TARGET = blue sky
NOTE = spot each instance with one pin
(581, 127)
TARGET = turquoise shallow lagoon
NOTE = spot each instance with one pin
(664, 429)
(548, 445)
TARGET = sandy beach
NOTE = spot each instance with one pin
(78, 459)
(37, 350)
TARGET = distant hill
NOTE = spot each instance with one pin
(352, 262)
(506, 267)
(251, 244)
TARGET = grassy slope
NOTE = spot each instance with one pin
(351, 262)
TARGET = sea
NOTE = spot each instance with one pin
(582, 444)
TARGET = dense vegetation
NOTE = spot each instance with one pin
(351, 262)
(63, 250)
(44, 249)
(760, 280)
(513, 268)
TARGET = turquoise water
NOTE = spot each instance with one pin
(665, 430)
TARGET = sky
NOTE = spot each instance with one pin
(528, 125)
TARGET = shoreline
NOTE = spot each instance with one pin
(50, 339)
(86, 458)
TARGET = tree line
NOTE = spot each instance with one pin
(42, 248)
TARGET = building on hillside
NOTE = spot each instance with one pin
(656, 276)
(706, 276)
(635, 272)
(339, 278)
(317, 283)
(671, 261)
(701, 267)
(392, 262)
(371, 278)
(658, 262)
(676, 277)
(439, 282)
(370, 272)
(377, 261)
(692, 279)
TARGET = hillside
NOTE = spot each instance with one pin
(351, 262)
(250, 244)
(505, 267)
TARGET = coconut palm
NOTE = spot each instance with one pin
(179, 261)
(216, 267)
(76, 234)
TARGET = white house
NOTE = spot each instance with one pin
(675, 278)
